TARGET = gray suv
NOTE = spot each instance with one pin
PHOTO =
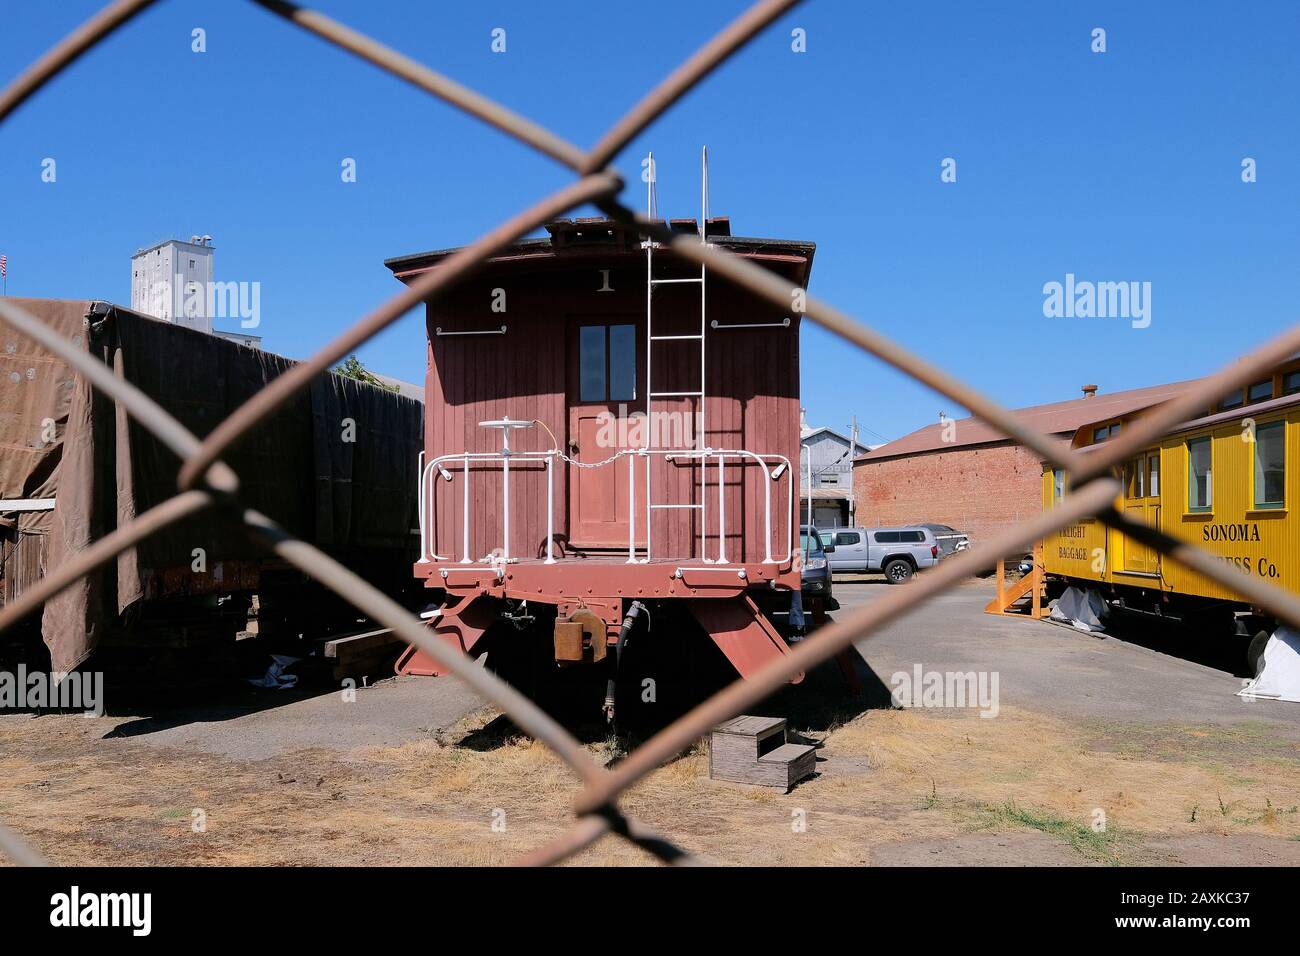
(896, 552)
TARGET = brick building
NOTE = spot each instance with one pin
(963, 473)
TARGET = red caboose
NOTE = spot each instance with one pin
(610, 433)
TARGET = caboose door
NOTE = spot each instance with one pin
(604, 390)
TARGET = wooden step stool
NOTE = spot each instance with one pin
(753, 750)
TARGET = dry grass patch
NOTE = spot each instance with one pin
(482, 794)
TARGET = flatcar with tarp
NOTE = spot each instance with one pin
(336, 466)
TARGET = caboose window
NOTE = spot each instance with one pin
(1200, 483)
(1058, 485)
(1099, 434)
(1153, 476)
(1291, 383)
(607, 363)
(592, 362)
(622, 363)
(1270, 465)
(1260, 391)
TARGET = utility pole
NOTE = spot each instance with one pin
(853, 454)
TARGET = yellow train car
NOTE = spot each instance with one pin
(1228, 481)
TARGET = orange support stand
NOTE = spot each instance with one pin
(1033, 586)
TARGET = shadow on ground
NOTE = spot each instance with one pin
(826, 698)
(1224, 652)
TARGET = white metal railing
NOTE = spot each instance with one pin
(426, 499)
(435, 468)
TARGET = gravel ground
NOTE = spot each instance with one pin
(416, 771)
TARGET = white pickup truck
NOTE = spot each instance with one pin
(896, 552)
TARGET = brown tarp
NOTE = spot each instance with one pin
(36, 392)
(348, 497)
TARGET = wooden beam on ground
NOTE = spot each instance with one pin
(350, 646)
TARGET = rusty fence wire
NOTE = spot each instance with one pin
(205, 482)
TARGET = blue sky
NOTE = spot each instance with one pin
(1115, 166)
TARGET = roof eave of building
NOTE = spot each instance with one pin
(1218, 418)
(872, 457)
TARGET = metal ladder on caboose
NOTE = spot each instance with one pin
(700, 450)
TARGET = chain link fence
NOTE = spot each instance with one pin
(206, 483)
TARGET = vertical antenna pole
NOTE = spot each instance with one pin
(810, 514)
(853, 454)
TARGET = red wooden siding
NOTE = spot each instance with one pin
(752, 402)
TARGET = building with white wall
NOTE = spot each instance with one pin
(170, 280)
(173, 281)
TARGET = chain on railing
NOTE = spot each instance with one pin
(205, 482)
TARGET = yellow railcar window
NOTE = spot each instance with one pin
(1232, 400)
(1291, 383)
(1153, 476)
(1260, 391)
(1270, 465)
(1058, 484)
(1200, 480)
(1135, 479)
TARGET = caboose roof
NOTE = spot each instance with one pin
(583, 240)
